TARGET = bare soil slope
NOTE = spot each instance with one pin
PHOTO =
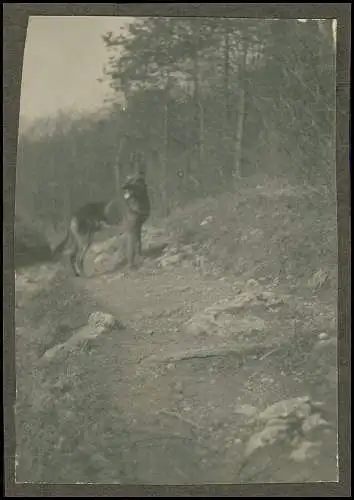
(213, 362)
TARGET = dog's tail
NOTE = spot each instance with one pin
(59, 248)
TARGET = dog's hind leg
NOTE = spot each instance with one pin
(85, 243)
(73, 259)
(76, 250)
(82, 255)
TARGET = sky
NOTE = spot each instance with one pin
(63, 58)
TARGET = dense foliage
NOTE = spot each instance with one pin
(206, 100)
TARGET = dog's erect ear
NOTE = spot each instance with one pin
(133, 180)
(129, 180)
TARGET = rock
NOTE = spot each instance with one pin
(271, 299)
(102, 321)
(170, 260)
(246, 409)
(234, 317)
(100, 259)
(313, 421)
(318, 280)
(305, 450)
(287, 421)
(98, 323)
(252, 285)
(285, 407)
(103, 246)
(223, 324)
(207, 220)
(326, 343)
(266, 437)
(323, 336)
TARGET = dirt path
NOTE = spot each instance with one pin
(154, 307)
(203, 401)
(144, 403)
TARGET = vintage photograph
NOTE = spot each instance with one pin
(176, 261)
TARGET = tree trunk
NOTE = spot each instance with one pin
(199, 110)
(117, 167)
(239, 133)
(240, 116)
(227, 137)
(227, 76)
(201, 141)
(165, 194)
(197, 100)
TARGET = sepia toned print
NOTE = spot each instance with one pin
(187, 332)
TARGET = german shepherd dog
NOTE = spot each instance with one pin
(92, 217)
(137, 211)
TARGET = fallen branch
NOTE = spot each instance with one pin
(176, 415)
(217, 352)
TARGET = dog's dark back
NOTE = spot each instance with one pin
(90, 216)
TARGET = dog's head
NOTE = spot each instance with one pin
(134, 185)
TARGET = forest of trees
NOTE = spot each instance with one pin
(208, 101)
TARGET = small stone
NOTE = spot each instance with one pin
(179, 387)
(246, 409)
(322, 344)
(323, 336)
(307, 450)
(313, 421)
